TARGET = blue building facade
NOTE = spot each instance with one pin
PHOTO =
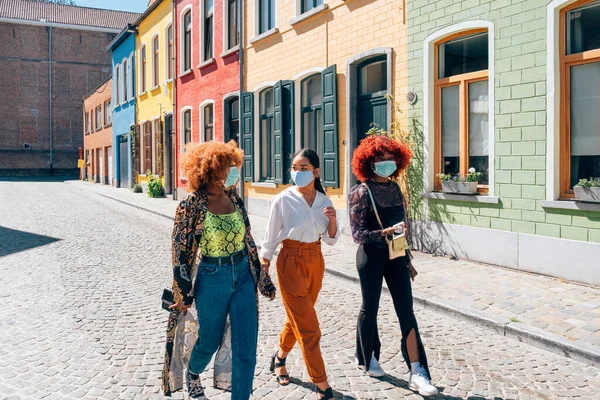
(122, 49)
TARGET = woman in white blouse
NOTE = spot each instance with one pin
(301, 216)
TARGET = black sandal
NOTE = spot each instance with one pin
(327, 393)
(279, 364)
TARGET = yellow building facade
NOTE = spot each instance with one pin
(293, 50)
(154, 72)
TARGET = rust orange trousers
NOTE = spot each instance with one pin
(300, 269)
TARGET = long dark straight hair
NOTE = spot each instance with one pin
(314, 160)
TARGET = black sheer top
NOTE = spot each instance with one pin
(390, 206)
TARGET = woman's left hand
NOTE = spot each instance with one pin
(330, 213)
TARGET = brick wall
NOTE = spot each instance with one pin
(80, 64)
(101, 139)
(520, 117)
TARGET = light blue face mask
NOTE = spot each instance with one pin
(302, 178)
(385, 168)
(232, 177)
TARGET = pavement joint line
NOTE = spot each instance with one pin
(521, 332)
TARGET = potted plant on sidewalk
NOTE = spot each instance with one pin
(588, 190)
(459, 183)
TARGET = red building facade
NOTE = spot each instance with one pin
(207, 68)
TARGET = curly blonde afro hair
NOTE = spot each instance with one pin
(205, 163)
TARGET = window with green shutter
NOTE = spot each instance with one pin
(247, 135)
(329, 139)
(283, 122)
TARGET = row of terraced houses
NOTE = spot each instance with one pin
(508, 87)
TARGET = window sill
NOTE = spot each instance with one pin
(265, 185)
(169, 81)
(139, 95)
(308, 14)
(153, 88)
(229, 52)
(206, 63)
(107, 125)
(185, 73)
(478, 198)
(264, 35)
(570, 205)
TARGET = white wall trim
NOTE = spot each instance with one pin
(225, 46)
(256, 29)
(155, 65)
(429, 92)
(203, 59)
(298, 78)
(553, 98)
(153, 143)
(201, 111)
(166, 48)
(257, 89)
(181, 36)
(116, 82)
(142, 147)
(229, 95)
(298, 7)
(123, 84)
(143, 75)
(225, 114)
(181, 127)
(130, 78)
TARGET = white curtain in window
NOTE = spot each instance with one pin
(585, 109)
(478, 119)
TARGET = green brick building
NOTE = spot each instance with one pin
(512, 89)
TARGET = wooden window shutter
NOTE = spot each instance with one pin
(287, 102)
(329, 164)
(247, 135)
(277, 133)
(138, 160)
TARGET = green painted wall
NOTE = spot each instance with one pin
(520, 118)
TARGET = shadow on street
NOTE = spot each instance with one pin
(13, 241)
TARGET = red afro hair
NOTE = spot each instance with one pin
(205, 163)
(374, 146)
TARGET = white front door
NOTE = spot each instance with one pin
(110, 165)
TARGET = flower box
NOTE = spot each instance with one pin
(588, 194)
(459, 187)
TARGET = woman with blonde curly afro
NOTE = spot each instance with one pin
(212, 241)
(377, 211)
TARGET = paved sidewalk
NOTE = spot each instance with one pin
(560, 316)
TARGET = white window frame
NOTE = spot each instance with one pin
(226, 99)
(122, 84)
(298, 78)
(256, 90)
(257, 31)
(153, 144)
(429, 46)
(226, 48)
(143, 75)
(182, 127)
(167, 60)
(117, 88)
(202, 61)
(201, 111)
(298, 7)
(183, 71)
(130, 77)
(155, 63)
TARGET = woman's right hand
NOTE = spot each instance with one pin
(265, 264)
(388, 231)
(181, 307)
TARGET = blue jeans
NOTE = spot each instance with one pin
(219, 291)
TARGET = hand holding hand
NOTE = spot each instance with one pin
(330, 213)
(265, 264)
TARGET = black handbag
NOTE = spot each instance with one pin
(167, 299)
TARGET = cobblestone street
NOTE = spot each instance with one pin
(80, 285)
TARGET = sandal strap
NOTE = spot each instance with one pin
(281, 362)
(327, 393)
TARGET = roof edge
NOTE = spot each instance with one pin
(120, 38)
(90, 94)
(148, 11)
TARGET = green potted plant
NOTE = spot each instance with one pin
(155, 187)
(460, 183)
(588, 190)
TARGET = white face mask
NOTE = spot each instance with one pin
(385, 168)
(232, 177)
(302, 178)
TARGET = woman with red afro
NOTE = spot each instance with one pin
(376, 162)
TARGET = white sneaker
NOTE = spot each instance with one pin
(375, 369)
(419, 382)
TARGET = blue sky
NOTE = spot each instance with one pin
(122, 5)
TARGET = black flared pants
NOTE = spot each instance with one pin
(373, 264)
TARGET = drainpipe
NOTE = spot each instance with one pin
(175, 111)
(51, 118)
(241, 62)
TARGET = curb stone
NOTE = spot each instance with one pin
(515, 330)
